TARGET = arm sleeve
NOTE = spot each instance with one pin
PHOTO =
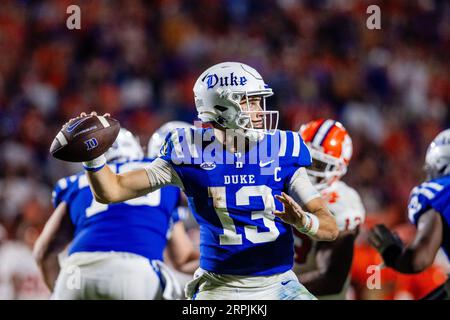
(161, 173)
(300, 187)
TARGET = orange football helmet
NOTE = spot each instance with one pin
(331, 149)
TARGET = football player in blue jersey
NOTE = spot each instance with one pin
(232, 172)
(183, 273)
(429, 210)
(114, 251)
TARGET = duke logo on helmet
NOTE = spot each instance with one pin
(222, 90)
(232, 80)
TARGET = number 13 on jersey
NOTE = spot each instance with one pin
(230, 235)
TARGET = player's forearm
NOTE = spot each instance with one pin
(420, 253)
(49, 268)
(48, 265)
(328, 230)
(56, 235)
(103, 185)
(412, 260)
(302, 191)
(108, 187)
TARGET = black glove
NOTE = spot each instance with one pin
(388, 244)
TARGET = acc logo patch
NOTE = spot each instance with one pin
(208, 165)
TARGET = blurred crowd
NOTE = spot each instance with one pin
(138, 60)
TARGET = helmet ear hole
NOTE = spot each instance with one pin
(220, 108)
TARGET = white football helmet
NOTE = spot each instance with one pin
(437, 158)
(219, 91)
(157, 139)
(125, 148)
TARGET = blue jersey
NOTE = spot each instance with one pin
(138, 226)
(433, 194)
(233, 200)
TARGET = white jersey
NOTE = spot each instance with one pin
(20, 278)
(346, 205)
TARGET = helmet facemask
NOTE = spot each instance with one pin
(240, 119)
(223, 95)
(325, 169)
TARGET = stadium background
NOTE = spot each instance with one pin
(138, 60)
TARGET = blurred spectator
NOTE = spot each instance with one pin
(20, 279)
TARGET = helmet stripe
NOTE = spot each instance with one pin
(309, 130)
(322, 132)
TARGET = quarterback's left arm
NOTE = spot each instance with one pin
(317, 222)
(418, 255)
(57, 234)
(333, 263)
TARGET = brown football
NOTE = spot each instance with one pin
(85, 138)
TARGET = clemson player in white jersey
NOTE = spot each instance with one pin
(323, 267)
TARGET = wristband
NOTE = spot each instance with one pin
(95, 164)
(311, 226)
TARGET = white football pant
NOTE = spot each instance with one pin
(114, 276)
(210, 286)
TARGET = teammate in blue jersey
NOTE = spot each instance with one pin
(429, 210)
(116, 250)
(232, 172)
(184, 229)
